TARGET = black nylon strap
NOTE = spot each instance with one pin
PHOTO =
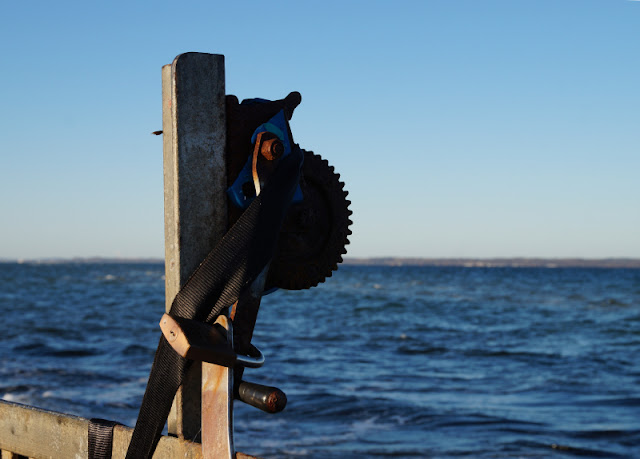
(100, 438)
(231, 266)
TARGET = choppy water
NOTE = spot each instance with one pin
(379, 361)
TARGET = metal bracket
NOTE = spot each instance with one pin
(202, 342)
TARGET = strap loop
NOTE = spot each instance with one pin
(251, 361)
(100, 438)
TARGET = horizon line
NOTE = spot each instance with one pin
(513, 262)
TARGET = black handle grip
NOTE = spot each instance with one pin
(267, 398)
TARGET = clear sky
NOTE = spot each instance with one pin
(463, 128)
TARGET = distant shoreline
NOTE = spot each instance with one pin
(518, 262)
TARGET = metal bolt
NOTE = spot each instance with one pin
(272, 149)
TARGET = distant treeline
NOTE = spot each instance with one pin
(397, 261)
(500, 262)
(89, 260)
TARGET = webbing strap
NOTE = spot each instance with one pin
(100, 438)
(231, 266)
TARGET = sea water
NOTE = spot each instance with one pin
(378, 361)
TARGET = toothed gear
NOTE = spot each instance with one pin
(315, 232)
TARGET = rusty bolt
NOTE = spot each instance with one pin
(272, 149)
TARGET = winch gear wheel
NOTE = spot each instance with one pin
(315, 232)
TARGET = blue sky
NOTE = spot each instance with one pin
(462, 128)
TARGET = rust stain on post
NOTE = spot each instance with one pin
(217, 406)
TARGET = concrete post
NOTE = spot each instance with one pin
(194, 129)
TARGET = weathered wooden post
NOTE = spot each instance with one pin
(194, 127)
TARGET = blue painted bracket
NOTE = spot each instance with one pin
(278, 126)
